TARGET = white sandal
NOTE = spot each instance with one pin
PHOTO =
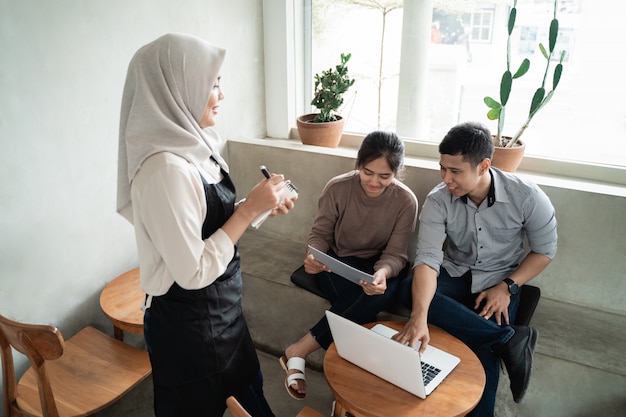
(297, 364)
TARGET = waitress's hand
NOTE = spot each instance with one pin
(379, 286)
(285, 205)
(266, 196)
(262, 197)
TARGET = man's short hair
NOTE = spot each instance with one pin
(471, 139)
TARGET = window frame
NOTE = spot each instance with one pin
(287, 56)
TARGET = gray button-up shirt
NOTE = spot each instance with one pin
(488, 239)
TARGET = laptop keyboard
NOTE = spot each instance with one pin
(429, 372)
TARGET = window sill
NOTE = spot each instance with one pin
(425, 156)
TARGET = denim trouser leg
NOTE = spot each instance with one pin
(452, 310)
(348, 300)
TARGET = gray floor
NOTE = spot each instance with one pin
(138, 403)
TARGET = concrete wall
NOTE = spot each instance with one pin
(62, 69)
(588, 269)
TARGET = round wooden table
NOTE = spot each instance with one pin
(121, 301)
(363, 394)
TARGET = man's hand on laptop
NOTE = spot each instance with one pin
(414, 330)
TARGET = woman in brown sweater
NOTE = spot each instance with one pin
(365, 218)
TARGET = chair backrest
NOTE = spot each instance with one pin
(529, 298)
(38, 343)
(237, 410)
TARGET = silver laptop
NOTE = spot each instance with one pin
(375, 351)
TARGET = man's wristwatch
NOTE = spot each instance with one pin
(513, 287)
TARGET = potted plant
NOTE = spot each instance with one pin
(512, 144)
(325, 127)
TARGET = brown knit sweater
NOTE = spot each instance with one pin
(352, 224)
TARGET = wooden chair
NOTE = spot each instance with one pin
(236, 410)
(74, 377)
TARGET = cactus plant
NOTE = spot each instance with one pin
(540, 98)
(329, 89)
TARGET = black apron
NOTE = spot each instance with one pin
(201, 335)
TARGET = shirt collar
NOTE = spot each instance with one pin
(491, 195)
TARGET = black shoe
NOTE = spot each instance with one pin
(517, 355)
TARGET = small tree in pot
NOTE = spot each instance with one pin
(329, 89)
(325, 127)
(540, 98)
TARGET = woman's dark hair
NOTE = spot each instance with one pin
(470, 139)
(385, 144)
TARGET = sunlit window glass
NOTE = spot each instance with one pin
(585, 119)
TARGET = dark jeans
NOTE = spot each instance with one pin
(452, 309)
(347, 299)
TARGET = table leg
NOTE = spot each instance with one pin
(118, 333)
(338, 410)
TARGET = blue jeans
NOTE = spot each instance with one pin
(452, 309)
(347, 299)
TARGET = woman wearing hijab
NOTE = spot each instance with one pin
(174, 187)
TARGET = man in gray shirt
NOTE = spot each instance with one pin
(471, 259)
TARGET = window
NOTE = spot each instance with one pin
(479, 25)
(585, 120)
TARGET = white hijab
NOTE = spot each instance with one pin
(166, 92)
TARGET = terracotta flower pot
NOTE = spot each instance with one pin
(508, 159)
(326, 134)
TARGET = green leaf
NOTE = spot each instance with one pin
(537, 99)
(523, 68)
(491, 103)
(543, 51)
(554, 32)
(505, 87)
(493, 114)
(542, 104)
(512, 16)
(557, 76)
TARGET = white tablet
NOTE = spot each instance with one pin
(340, 268)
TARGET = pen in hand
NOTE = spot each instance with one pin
(261, 218)
(289, 191)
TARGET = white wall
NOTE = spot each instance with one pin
(62, 69)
